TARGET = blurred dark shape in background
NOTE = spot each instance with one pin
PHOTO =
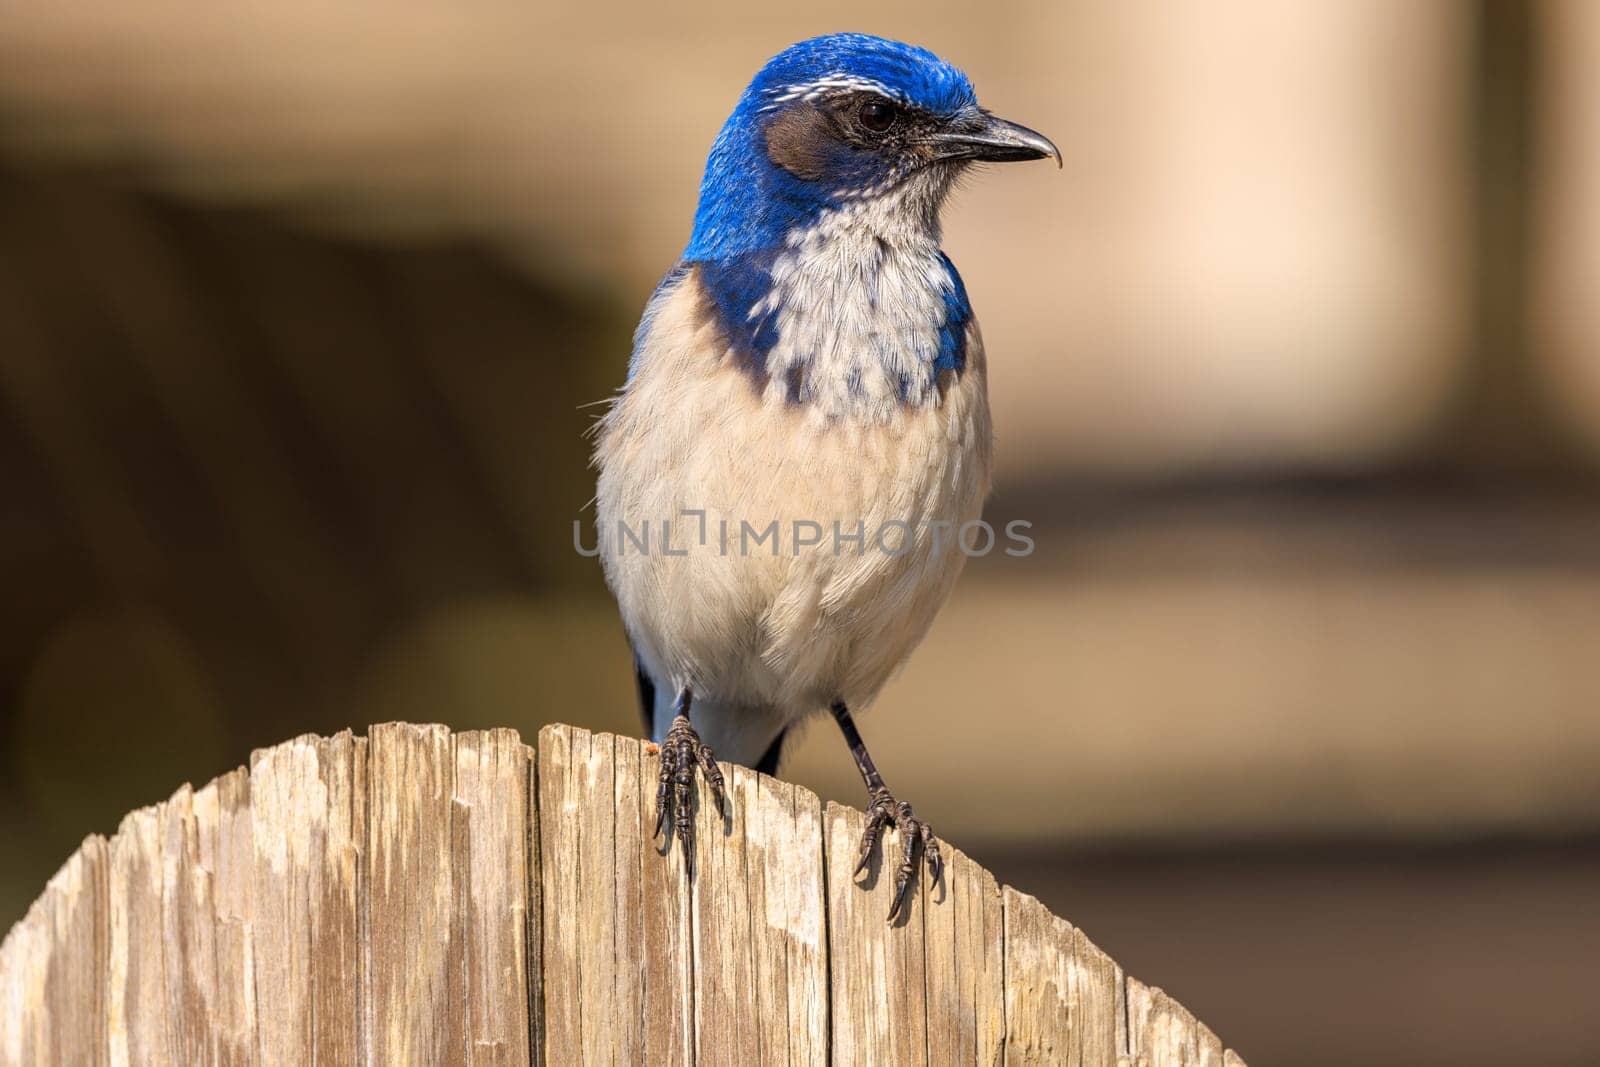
(304, 312)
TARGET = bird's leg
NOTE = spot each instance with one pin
(916, 839)
(680, 753)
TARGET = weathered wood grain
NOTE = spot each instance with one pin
(662, 876)
(760, 979)
(1098, 1001)
(491, 877)
(533, 934)
(338, 978)
(413, 955)
(784, 878)
(617, 974)
(1040, 1020)
(1140, 1005)
(628, 846)
(418, 897)
(1162, 1032)
(1211, 1051)
(137, 1024)
(726, 999)
(575, 799)
(53, 966)
(878, 982)
(307, 948)
(188, 929)
(284, 835)
(227, 850)
(928, 987)
(962, 938)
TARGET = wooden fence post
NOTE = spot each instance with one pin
(417, 896)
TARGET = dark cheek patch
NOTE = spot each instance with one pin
(800, 139)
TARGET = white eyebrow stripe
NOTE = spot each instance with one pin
(833, 83)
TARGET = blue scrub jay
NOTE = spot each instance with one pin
(805, 420)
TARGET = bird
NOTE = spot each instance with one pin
(804, 421)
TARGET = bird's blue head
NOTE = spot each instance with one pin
(846, 117)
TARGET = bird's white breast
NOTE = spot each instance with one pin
(763, 638)
(859, 299)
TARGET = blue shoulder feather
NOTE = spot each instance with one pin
(957, 315)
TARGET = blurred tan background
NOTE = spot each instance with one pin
(1296, 371)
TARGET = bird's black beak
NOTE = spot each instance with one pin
(988, 139)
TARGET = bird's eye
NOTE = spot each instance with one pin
(876, 115)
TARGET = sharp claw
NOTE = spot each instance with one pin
(917, 844)
(930, 850)
(713, 773)
(869, 838)
(902, 886)
(681, 752)
(663, 780)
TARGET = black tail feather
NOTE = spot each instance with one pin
(647, 696)
(768, 763)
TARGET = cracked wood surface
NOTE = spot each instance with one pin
(418, 896)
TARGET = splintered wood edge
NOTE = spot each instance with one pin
(198, 838)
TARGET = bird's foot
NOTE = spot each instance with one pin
(680, 753)
(916, 844)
